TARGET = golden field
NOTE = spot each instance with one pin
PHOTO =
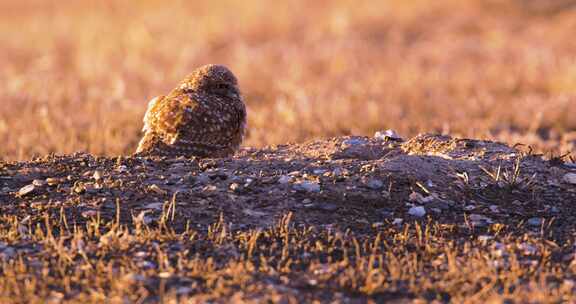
(433, 219)
(77, 75)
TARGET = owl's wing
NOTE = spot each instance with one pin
(214, 122)
(167, 114)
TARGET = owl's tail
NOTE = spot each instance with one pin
(152, 145)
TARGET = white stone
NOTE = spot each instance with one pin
(26, 190)
(97, 175)
(284, 179)
(387, 135)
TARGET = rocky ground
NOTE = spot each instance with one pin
(349, 219)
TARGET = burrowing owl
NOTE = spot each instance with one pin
(204, 116)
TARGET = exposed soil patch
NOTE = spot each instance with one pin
(349, 182)
(332, 193)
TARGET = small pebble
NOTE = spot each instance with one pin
(234, 187)
(89, 213)
(51, 181)
(97, 175)
(480, 220)
(294, 173)
(38, 183)
(8, 253)
(184, 290)
(415, 197)
(387, 135)
(478, 217)
(209, 188)
(155, 206)
(319, 171)
(146, 264)
(307, 186)
(353, 142)
(417, 211)
(141, 254)
(248, 182)
(374, 184)
(250, 212)
(26, 190)
(535, 221)
(154, 188)
(397, 221)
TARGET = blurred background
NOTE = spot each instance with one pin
(77, 75)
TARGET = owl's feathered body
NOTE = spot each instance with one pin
(204, 116)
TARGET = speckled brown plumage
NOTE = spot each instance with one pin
(204, 116)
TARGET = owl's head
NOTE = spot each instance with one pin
(212, 79)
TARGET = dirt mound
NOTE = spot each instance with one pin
(349, 182)
(340, 220)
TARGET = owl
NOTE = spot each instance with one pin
(203, 116)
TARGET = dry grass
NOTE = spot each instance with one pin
(104, 261)
(76, 75)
